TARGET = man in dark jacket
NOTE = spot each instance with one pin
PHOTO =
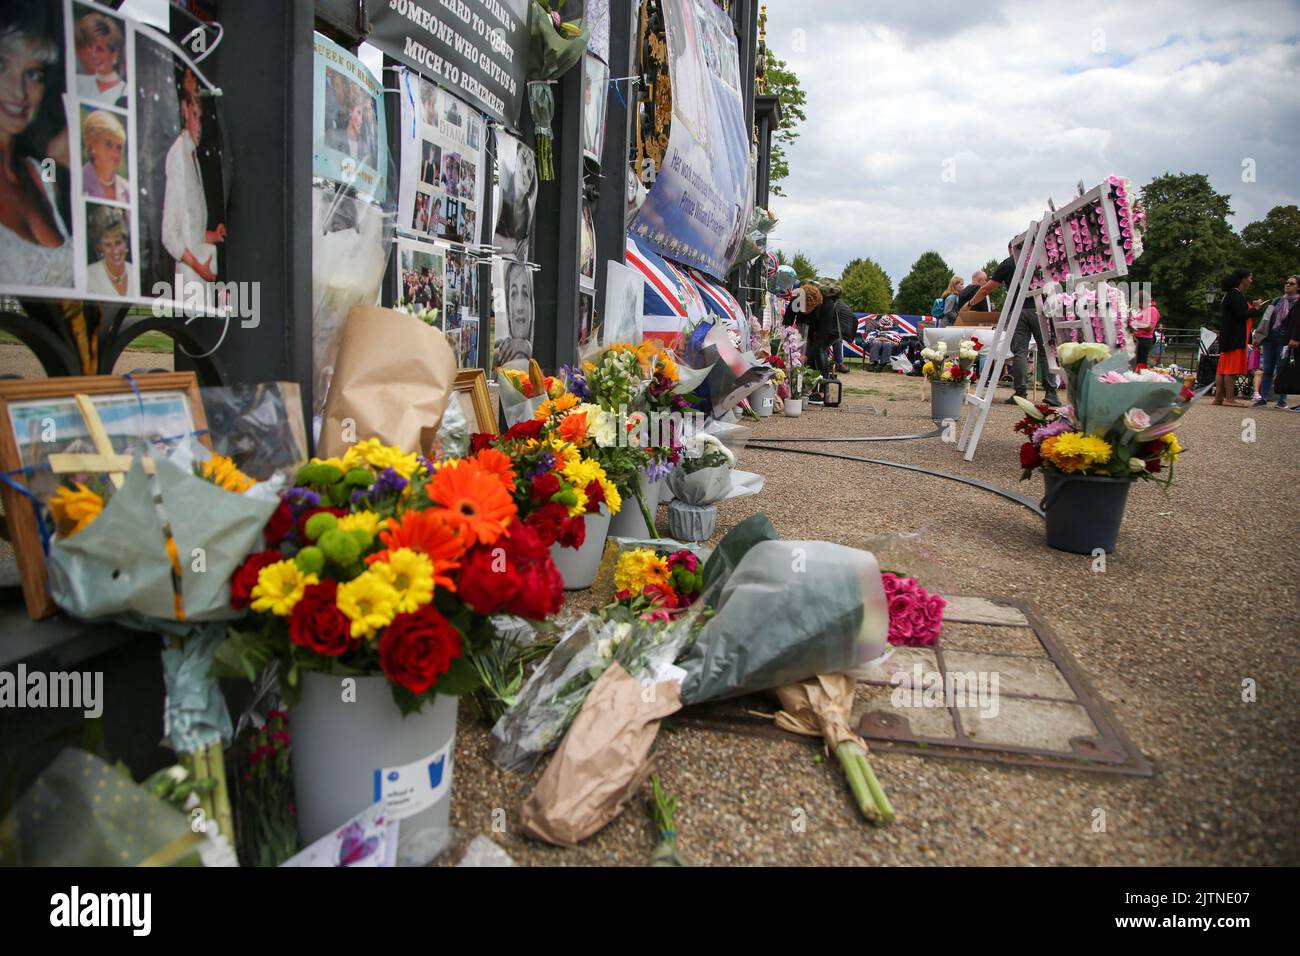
(977, 279)
(848, 329)
(1026, 327)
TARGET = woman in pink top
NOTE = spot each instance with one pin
(1143, 325)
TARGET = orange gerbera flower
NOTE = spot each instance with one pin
(497, 462)
(474, 501)
(554, 406)
(574, 429)
(430, 533)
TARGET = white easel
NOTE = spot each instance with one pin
(1030, 258)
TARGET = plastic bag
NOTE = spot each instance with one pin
(555, 693)
(259, 427)
(453, 433)
(759, 638)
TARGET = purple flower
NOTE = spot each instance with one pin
(302, 498)
(1059, 427)
(544, 466)
(658, 469)
(577, 380)
(388, 483)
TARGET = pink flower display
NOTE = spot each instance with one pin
(915, 615)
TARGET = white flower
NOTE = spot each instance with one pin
(1137, 464)
(1135, 419)
(1073, 352)
(600, 425)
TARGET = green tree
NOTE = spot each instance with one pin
(1270, 247)
(784, 85)
(867, 287)
(921, 286)
(803, 267)
(997, 298)
(1188, 246)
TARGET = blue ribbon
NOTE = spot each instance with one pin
(36, 503)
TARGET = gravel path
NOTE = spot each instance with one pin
(1199, 596)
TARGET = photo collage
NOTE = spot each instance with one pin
(116, 159)
(441, 192)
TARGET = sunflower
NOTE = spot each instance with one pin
(410, 574)
(74, 509)
(429, 533)
(221, 471)
(474, 501)
(369, 602)
(279, 587)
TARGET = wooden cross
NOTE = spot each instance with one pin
(104, 459)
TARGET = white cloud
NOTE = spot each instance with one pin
(1024, 102)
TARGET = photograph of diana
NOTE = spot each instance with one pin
(109, 270)
(431, 163)
(185, 232)
(103, 148)
(515, 347)
(101, 57)
(595, 94)
(517, 175)
(354, 128)
(35, 244)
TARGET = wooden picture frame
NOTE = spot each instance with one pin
(482, 416)
(25, 399)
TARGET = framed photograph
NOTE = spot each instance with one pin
(39, 418)
(477, 405)
(587, 249)
(595, 94)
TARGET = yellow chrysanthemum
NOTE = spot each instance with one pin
(613, 500)
(927, 368)
(379, 456)
(410, 574)
(369, 602)
(668, 367)
(74, 509)
(336, 462)
(1173, 448)
(366, 521)
(1072, 452)
(279, 587)
(638, 568)
(221, 471)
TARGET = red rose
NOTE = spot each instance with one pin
(279, 525)
(1029, 456)
(595, 492)
(541, 591)
(1153, 465)
(488, 580)
(573, 533)
(243, 580)
(480, 440)
(525, 430)
(546, 523)
(417, 647)
(317, 623)
(543, 486)
(1186, 394)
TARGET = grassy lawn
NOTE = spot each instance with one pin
(148, 342)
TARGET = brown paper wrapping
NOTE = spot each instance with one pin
(603, 760)
(820, 707)
(393, 377)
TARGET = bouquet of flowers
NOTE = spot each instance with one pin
(1118, 424)
(915, 615)
(654, 584)
(556, 482)
(556, 46)
(940, 366)
(382, 562)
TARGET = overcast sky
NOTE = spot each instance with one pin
(1022, 100)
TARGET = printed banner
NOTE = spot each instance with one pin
(349, 139)
(115, 171)
(695, 212)
(512, 281)
(478, 48)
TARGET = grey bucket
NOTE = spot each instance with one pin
(691, 522)
(345, 751)
(762, 400)
(1083, 513)
(629, 522)
(577, 566)
(946, 401)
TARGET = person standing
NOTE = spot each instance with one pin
(1026, 326)
(185, 232)
(848, 329)
(1235, 314)
(1272, 336)
(977, 279)
(951, 296)
(1143, 324)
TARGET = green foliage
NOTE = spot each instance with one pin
(921, 286)
(803, 267)
(783, 84)
(867, 287)
(997, 298)
(1188, 246)
(1271, 248)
